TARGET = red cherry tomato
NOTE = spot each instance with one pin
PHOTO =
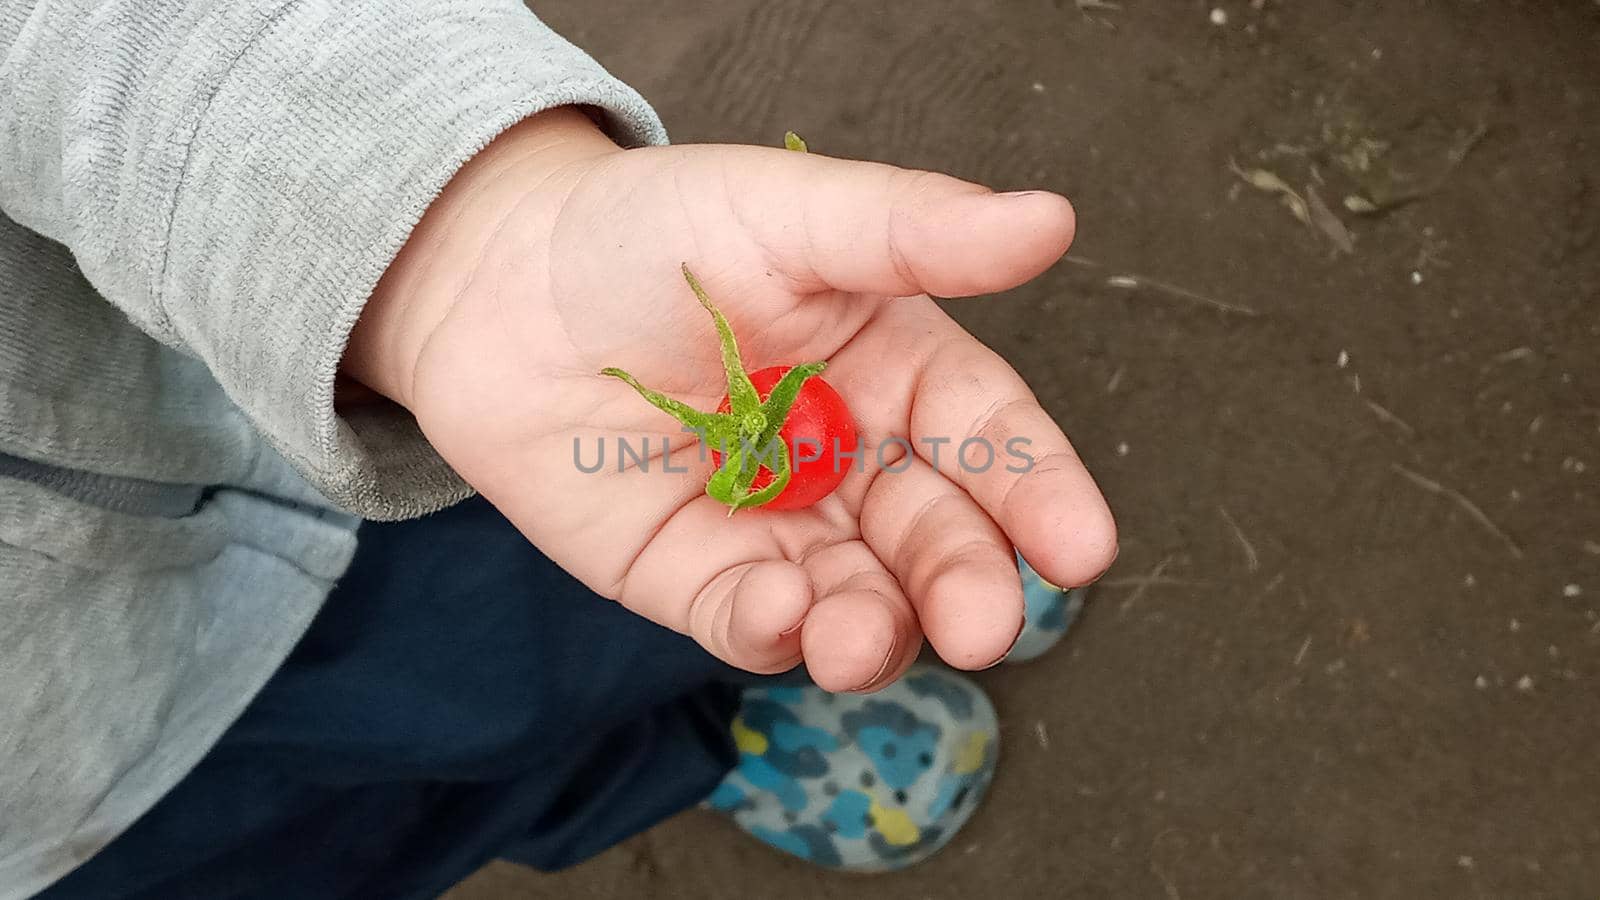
(819, 427)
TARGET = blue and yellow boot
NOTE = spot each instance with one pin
(877, 782)
(861, 783)
(1048, 612)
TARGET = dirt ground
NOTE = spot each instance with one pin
(1352, 645)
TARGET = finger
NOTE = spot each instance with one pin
(758, 621)
(736, 595)
(948, 388)
(1011, 457)
(954, 562)
(872, 228)
(861, 634)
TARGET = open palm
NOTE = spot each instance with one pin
(811, 259)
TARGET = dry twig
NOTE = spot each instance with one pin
(1138, 282)
(1251, 558)
(1460, 499)
(1139, 590)
(1392, 419)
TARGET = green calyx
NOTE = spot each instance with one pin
(746, 435)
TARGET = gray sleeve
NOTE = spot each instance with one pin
(235, 176)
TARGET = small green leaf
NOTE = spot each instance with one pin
(780, 480)
(741, 464)
(770, 453)
(712, 425)
(795, 142)
(723, 432)
(742, 396)
(750, 467)
(783, 395)
(722, 484)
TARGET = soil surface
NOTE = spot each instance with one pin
(1352, 645)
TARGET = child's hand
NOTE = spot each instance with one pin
(553, 254)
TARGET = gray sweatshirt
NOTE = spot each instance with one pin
(196, 198)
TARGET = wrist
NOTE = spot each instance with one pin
(511, 188)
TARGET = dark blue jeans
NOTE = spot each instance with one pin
(459, 698)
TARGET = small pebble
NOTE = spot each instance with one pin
(1343, 360)
(1470, 581)
(1122, 449)
(1525, 683)
(1219, 16)
(1038, 87)
(1416, 277)
(1481, 683)
(1572, 590)
(1515, 625)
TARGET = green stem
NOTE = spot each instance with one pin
(780, 480)
(748, 433)
(781, 399)
(742, 396)
(711, 426)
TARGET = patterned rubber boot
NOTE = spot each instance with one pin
(861, 783)
(1049, 611)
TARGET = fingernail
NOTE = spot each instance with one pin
(888, 660)
(1020, 629)
(1115, 552)
(1020, 194)
(792, 628)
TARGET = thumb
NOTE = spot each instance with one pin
(866, 227)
